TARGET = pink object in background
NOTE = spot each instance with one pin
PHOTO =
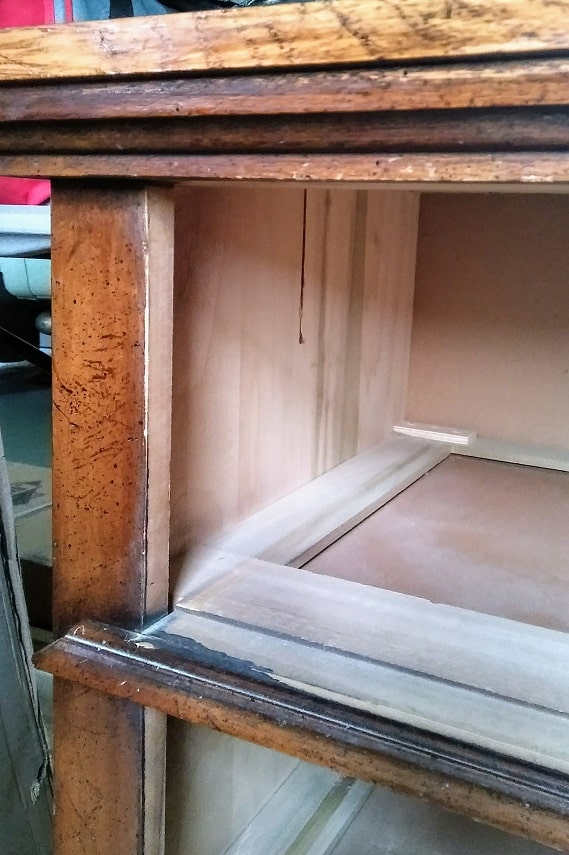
(25, 191)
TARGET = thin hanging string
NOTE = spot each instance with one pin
(302, 272)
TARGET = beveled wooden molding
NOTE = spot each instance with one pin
(422, 131)
(192, 685)
(508, 83)
(296, 34)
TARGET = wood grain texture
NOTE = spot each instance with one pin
(112, 296)
(319, 33)
(506, 130)
(522, 172)
(510, 83)
(97, 809)
(110, 269)
(498, 724)
(256, 413)
(505, 658)
(491, 323)
(519, 799)
(299, 526)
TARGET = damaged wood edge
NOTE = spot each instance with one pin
(426, 132)
(510, 83)
(293, 34)
(499, 171)
(512, 796)
(112, 268)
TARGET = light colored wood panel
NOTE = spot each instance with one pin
(158, 392)
(302, 524)
(337, 31)
(515, 452)
(335, 254)
(477, 534)
(389, 283)
(490, 346)
(276, 371)
(500, 656)
(237, 357)
(256, 412)
(367, 683)
(306, 814)
(394, 823)
(207, 324)
(216, 786)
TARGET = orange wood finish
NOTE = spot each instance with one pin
(112, 272)
(295, 34)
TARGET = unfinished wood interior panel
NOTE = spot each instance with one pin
(434, 565)
(396, 824)
(215, 787)
(479, 534)
(490, 347)
(278, 367)
(277, 375)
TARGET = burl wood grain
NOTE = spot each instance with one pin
(111, 258)
(305, 34)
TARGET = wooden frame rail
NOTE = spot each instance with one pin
(217, 692)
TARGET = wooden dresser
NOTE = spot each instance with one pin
(358, 555)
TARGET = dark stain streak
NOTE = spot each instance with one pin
(362, 39)
(276, 38)
(65, 415)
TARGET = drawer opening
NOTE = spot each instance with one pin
(371, 452)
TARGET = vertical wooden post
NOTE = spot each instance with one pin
(112, 253)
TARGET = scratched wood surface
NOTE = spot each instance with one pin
(519, 800)
(112, 291)
(495, 129)
(305, 34)
(508, 83)
(104, 243)
(524, 172)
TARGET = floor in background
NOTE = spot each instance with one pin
(25, 414)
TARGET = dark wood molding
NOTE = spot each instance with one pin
(445, 86)
(188, 683)
(425, 131)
